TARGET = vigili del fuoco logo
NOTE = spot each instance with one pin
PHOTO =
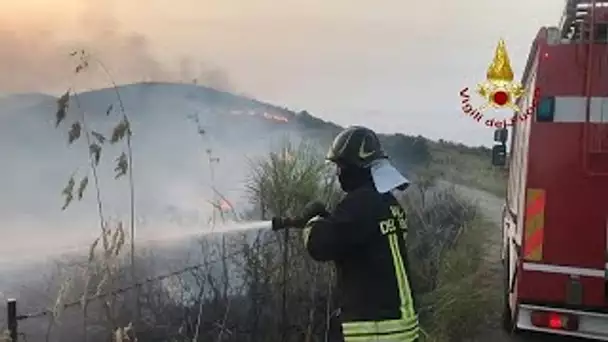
(499, 92)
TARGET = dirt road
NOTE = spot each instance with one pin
(491, 208)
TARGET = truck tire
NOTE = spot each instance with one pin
(507, 316)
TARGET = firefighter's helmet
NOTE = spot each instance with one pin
(356, 146)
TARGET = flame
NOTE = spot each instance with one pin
(288, 156)
(225, 206)
(265, 115)
(500, 69)
(275, 117)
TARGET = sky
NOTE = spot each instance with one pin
(395, 66)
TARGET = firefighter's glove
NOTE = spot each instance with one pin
(312, 209)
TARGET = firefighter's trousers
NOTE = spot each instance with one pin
(336, 335)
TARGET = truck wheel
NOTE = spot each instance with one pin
(507, 315)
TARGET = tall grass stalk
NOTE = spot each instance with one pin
(94, 141)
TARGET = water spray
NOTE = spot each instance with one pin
(275, 224)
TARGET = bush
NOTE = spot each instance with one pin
(460, 301)
(446, 253)
(262, 286)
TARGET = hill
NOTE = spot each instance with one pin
(419, 156)
(173, 175)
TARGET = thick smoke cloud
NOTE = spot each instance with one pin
(34, 54)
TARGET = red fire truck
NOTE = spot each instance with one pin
(555, 219)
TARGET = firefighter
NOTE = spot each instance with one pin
(365, 236)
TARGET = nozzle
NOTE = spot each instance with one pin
(279, 223)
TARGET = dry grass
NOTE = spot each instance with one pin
(460, 303)
(468, 167)
(105, 264)
(446, 256)
(262, 286)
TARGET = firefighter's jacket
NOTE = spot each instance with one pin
(365, 237)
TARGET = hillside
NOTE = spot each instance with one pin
(172, 172)
(417, 155)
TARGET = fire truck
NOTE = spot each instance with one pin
(555, 217)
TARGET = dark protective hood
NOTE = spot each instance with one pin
(352, 178)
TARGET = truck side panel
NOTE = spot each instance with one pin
(546, 288)
(575, 209)
(518, 167)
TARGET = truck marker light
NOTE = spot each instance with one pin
(554, 320)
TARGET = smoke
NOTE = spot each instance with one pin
(35, 54)
(174, 174)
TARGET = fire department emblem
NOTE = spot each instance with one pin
(499, 90)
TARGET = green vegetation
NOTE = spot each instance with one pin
(417, 155)
(447, 248)
(262, 285)
(458, 306)
(470, 166)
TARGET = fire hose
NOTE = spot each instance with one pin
(310, 210)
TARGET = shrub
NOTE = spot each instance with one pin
(446, 255)
(262, 286)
